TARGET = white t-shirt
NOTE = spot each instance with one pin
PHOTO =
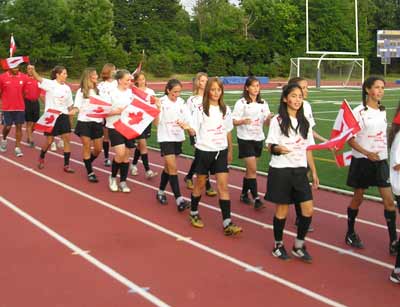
(211, 131)
(83, 103)
(106, 88)
(150, 91)
(194, 102)
(119, 99)
(297, 157)
(394, 160)
(58, 96)
(308, 113)
(171, 111)
(257, 112)
(372, 136)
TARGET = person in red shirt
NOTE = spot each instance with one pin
(12, 86)
(32, 107)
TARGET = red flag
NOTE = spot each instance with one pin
(135, 118)
(47, 121)
(334, 143)
(143, 95)
(138, 69)
(396, 119)
(13, 62)
(343, 159)
(98, 107)
(345, 120)
(13, 46)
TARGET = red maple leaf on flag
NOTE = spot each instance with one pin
(98, 110)
(49, 119)
(135, 118)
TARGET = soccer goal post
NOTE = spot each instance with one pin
(333, 72)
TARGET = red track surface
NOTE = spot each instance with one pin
(37, 270)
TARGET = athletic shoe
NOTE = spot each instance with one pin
(211, 192)
(161, 198)
(123, 187)
(189, 183)
(244, 198)
(134, 170)
(232, 229)
(3, 146)
(354, 240)
(107, 162)
(258, 204)
(60, 144)
(68, 169)
(92, 178)
(310, 228)
(280, 252)
(112, 184)
(41, 163)
(302, 254)
(150, 174)
(196, 221)
(183, 204)
(18, 152)
(53, 146)
(395, 277)
(393, 248)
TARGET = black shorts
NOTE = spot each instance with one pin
(117, 138)
(61, 126)
(92, 130)
(249, 148)
(212, 162)
(288, 185)
(364, 173)
(170, 148)
(146, 133)
(13, 117)
(32, 110)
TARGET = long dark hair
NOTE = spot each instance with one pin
(394, 128)
(368, 83)
(249, 81)
(55, 71)
(285, 123)
(206, 97)
(171, 84)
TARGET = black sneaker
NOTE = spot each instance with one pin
(393, 248)
(161, 198)
(302, 254)
(183, 205)
(354, 240)
(395, 277)
(244, 198)
(258, 204)
(280, 252)
(92, 178)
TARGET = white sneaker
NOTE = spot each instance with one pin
(112, 184)
(123, 187)
(53, 146)
(18, 152)
(3, 146)
(134, 170)
(60, 144)
(150, 174)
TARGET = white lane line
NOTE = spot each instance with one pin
(114, 274)
(168, 232)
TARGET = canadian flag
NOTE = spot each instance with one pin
(98, 107)
(334, 143)
(343, 159)
(345, 120)
(13, 62)
(135, 118)
(13, 46)
(143, 95)
(138, 69)
(47, 121)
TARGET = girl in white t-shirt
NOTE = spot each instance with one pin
(139, 80)
(369, 166)
(105, 87)
(288, 137)
(250, 114)
(212, 123)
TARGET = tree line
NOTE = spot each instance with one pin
(257, 37)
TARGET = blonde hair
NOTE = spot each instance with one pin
(86, 84)
(196, 82)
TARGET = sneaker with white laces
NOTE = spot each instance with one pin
(18, 152)
(280, 252)
(53, 146)
(150, 174)
(302, 254)
(354, 240)
(112, 184)
(395, 277)
(134, 170)
(123, 187)
(60, 144)
(161, 198)
(3, 146)
(107, 162)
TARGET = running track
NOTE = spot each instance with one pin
(67, 242)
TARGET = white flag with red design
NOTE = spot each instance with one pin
(334, 143)
(47, 121)
(343, 159)
(98, 107)
(138, 69)
(13, 46)
(345, 120)
(143, 95)
(13, 62)
(135, 118)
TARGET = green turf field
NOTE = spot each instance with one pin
(325, 104)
